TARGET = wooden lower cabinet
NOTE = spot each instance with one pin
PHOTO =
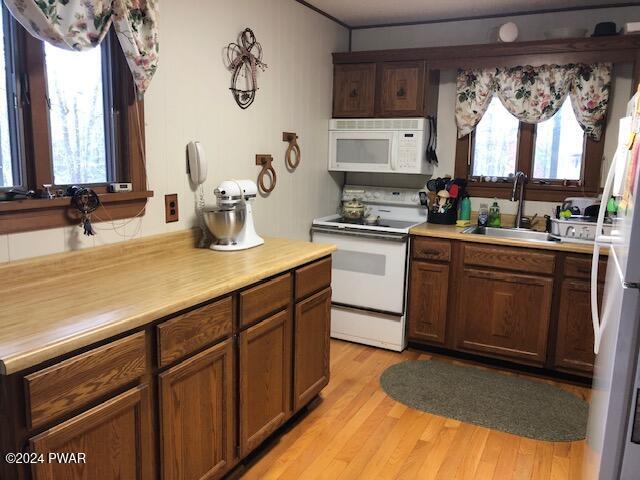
(504, 314)
(197, 415)
(265, 379)
(428, 297)
(574, 342)
(184, 398)
(311, 346)
(116, 438)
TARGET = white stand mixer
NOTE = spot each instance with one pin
(231, 221)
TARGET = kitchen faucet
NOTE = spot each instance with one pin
(519, 178)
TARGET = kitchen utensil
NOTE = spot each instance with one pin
(431, 156)
(353, 209)
(591, 211)
(371, 219)
(225, 222)
(577, 227)
(231, 221)
(432, 185)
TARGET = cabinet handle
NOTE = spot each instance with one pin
(584, 270)
(429, 251)
(353, 93)
(401, 92)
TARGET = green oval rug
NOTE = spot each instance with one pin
(508, 403)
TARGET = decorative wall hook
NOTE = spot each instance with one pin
(265, 161)
(244, 58)
(292, 138)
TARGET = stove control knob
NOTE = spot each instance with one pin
(376, 195)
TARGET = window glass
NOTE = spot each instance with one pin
(77, 116)
(495, 142)
(559, 146)
(9, 163)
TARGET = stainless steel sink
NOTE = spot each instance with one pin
(515, 233)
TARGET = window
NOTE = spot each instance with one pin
(66, 118)
(556, 156)
(79, 128)
(10, 161)
(559, 146)
(495, 145)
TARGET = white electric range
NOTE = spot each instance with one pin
(370, 267)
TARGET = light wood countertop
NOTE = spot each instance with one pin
(54, 305)
(455, 233)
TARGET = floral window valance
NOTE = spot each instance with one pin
(83, 24)
(534, 94)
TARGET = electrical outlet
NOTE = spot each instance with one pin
(171, 208)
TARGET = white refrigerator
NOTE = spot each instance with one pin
(613, 433)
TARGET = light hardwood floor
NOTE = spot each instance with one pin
(354, 431)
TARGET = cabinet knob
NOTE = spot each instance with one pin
(353, 93)
(401, 92)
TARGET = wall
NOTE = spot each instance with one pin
(532, 27)
(189, 99)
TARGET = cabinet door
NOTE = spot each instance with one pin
(311, 347)
(574, 343)
(428, 294)
(402, 92)
(265, 379)
(115, 438)
(505, 314)
(353, 90)
(197, 415)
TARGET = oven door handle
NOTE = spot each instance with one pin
(391, 237)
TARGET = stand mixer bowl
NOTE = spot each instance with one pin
(225, 222)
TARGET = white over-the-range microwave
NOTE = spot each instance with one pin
(381, 145)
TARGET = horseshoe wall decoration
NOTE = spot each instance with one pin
(265, 161)
(294, 148)
(244, 58)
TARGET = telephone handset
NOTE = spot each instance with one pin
(197, 162)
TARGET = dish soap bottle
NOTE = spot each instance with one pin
(494, 215)
(464, 213)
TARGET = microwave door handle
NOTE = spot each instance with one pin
(392, 153)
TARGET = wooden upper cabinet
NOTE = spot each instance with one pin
(428, 295)
(574, 342)
(311, 347)
(354, 90)
(197, 416)
(115, 438)
(402, 89)
(504, 314)
(265, 379)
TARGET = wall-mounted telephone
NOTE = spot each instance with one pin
(197, 162)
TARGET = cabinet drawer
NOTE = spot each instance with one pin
(264, 299)
(580, 267)
(313, 278)
(77, 381)
(187, 333)
(429, 249)
(508, 258)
